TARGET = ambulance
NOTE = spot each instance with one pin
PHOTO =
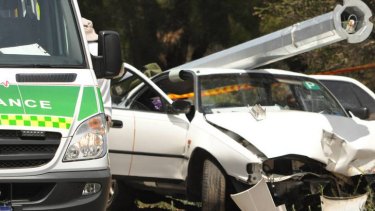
(53, 135)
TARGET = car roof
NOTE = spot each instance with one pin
(210, 71)
(335, 78)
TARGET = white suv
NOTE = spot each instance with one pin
(210, 133)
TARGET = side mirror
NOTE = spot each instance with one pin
(109, 60)
(362, 112)
(181, 106)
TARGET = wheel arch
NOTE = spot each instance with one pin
(195, 172)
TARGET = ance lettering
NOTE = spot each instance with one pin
(43, 104)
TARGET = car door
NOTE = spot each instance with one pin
(121, 134)
(121, 140)
(156, 138)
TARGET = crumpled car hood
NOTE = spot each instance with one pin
(345, 144)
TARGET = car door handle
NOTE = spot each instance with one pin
(116, 123)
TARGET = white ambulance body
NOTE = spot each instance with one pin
(53, 140)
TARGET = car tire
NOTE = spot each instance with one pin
(213, 187)
(120, 197)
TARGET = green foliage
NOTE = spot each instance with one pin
(172, 32)
(280, 14)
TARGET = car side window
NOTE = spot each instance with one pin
(366, 100)
(148, 100)
(182, 90)
(343, 91)
(352, 96)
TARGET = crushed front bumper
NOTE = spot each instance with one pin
(262, 196)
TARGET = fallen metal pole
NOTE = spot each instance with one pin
(349, 21)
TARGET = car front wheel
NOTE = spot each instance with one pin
(121, 197)
(213, 187)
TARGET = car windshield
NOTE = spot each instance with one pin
(39, 33)
(236, 92)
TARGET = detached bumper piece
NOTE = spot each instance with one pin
(257, 198)
(353, 203)
(66, 191)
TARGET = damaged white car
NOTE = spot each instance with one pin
(211, 133)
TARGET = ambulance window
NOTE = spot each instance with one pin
(40, 33)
